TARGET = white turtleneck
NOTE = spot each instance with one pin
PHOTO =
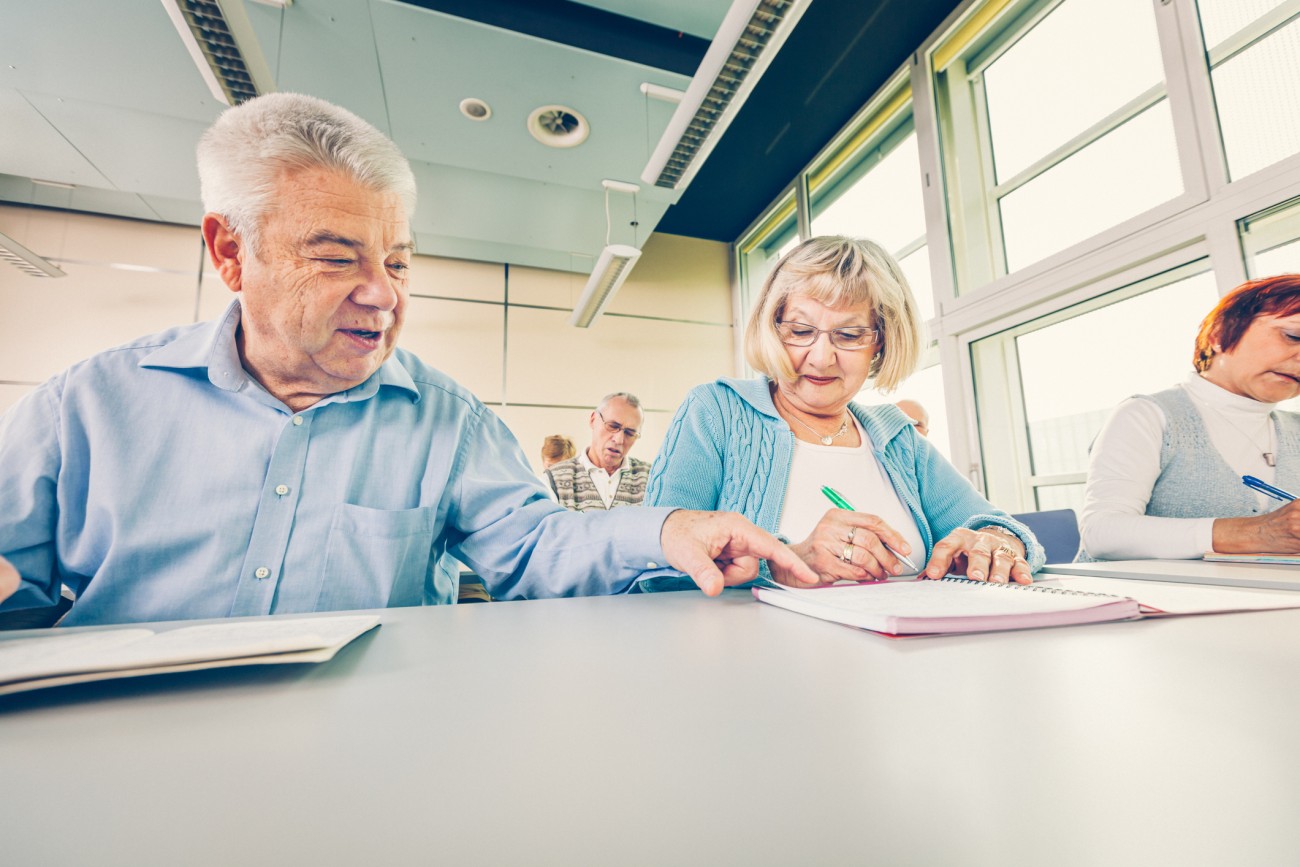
(1125, 462)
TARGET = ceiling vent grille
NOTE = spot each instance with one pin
(748, 39)
(222, 44)
(558, 126)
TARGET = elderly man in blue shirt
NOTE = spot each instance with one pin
(288, 457)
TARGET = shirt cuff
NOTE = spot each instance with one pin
(1204, 535)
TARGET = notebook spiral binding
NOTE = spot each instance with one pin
(1036, 588)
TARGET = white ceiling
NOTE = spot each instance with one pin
(101, 94)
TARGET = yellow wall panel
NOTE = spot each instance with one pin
(460, 338)
(456, 278)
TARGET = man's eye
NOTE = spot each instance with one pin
(341, 263)
(399, 266)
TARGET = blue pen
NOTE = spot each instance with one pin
(1266, 488)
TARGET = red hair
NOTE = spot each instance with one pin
(1222, 328)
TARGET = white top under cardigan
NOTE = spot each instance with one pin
(857, 476)
(1125, 462)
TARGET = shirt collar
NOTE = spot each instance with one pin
(213, 348)
(589, 466)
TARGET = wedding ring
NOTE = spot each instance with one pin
(853, 531)
(847, 556)
(1006, 549)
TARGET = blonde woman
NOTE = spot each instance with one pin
(834, 313)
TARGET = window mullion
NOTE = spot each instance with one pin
(1254, 32)
(1109, 123)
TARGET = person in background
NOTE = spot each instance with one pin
(288, 457)
(556, 448)
(917, 413)
(834, 313)
(1165, 473)
(604, 477)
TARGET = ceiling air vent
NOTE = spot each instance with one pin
(220, 39)
(750, 36)
(558, 126)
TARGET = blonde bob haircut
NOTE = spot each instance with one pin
(840, 273)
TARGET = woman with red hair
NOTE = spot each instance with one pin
(1164, 476)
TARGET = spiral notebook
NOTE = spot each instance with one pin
(950, 605)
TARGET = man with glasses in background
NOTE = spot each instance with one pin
(603, 476)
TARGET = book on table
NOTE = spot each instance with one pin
(61, 657)
(958, 605)
(949, 605)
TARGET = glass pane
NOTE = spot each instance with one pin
(1080, 63)
(1257, 93)
(916, 267)
(1222, 18)
(884, 205)
(1060, 497)
(926, 388)
(758, 258)
(1271, 241)
(1074, 372)
(1119, 176)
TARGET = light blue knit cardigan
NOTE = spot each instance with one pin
(728, 449)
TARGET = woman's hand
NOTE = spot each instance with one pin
(1277, 532)
(847, 546)
(981, 555)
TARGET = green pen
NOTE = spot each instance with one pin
(841, 503)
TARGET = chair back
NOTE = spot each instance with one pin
(1057, 531)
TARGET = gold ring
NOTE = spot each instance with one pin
(847, 556)
(1004, 548)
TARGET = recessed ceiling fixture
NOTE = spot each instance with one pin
(558, 126)
(25, 260)
(475, 109)
(222, 44)
(750, 36)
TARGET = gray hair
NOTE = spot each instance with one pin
(839, 272)
(244, 153)
(627, 396)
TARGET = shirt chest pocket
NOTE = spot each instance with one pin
(376, 558)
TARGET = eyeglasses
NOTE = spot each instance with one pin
(614, 427)
(801, 334)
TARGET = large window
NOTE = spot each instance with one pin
(1055, 126)
(1054, 380)
(1253, 48)
(870, 187)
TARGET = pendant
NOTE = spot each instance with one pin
(1269, 459)
(827, 441)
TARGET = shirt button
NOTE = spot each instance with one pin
(297, 420)
(282, 489)
(652, 565)
(262, 572)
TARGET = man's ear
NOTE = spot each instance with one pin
(225, 249)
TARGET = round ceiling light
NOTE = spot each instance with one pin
(475, 109)
(558, 126)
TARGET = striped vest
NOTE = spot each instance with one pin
(575, 490)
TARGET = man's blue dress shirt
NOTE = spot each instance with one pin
(160, 481)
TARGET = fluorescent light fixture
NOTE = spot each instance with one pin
(612, 268)
(222, 44)
(750, 36)
(25, 260)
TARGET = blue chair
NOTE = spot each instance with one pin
(1057, 530)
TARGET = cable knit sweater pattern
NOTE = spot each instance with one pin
(728, 449)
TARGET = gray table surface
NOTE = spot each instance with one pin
(676, 729)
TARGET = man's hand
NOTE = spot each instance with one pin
(720, 549)
(9, 579)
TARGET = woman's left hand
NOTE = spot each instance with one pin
(980, 556)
